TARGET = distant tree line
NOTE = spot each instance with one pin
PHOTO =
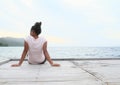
(8, 41)
(2, 44)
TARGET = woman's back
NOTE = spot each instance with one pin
(35, 52)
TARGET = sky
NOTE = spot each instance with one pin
(91, 23)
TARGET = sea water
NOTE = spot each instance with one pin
(65, 52)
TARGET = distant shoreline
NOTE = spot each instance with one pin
(9, 41)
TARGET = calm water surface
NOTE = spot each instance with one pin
(66, 52)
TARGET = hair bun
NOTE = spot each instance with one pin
(37, 27)
(38, 24)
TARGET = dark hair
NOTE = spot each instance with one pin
(37, 28)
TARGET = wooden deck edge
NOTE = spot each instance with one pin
(76, 59)
(65, 59)
(5, 61)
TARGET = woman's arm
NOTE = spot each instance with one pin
(48, 56)
(23, 55)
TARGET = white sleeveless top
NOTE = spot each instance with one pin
(35, 51)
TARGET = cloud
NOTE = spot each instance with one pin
(4, 33)
(28, 3)
(78, 4)
(55, 39)
(111, 33)
(59, 41)
(93, 11)
(12, 8)
(0, 13)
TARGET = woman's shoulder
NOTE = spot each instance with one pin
(28, 38)
(42, 38)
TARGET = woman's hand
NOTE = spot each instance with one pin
(55, 65)
(15, 65)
